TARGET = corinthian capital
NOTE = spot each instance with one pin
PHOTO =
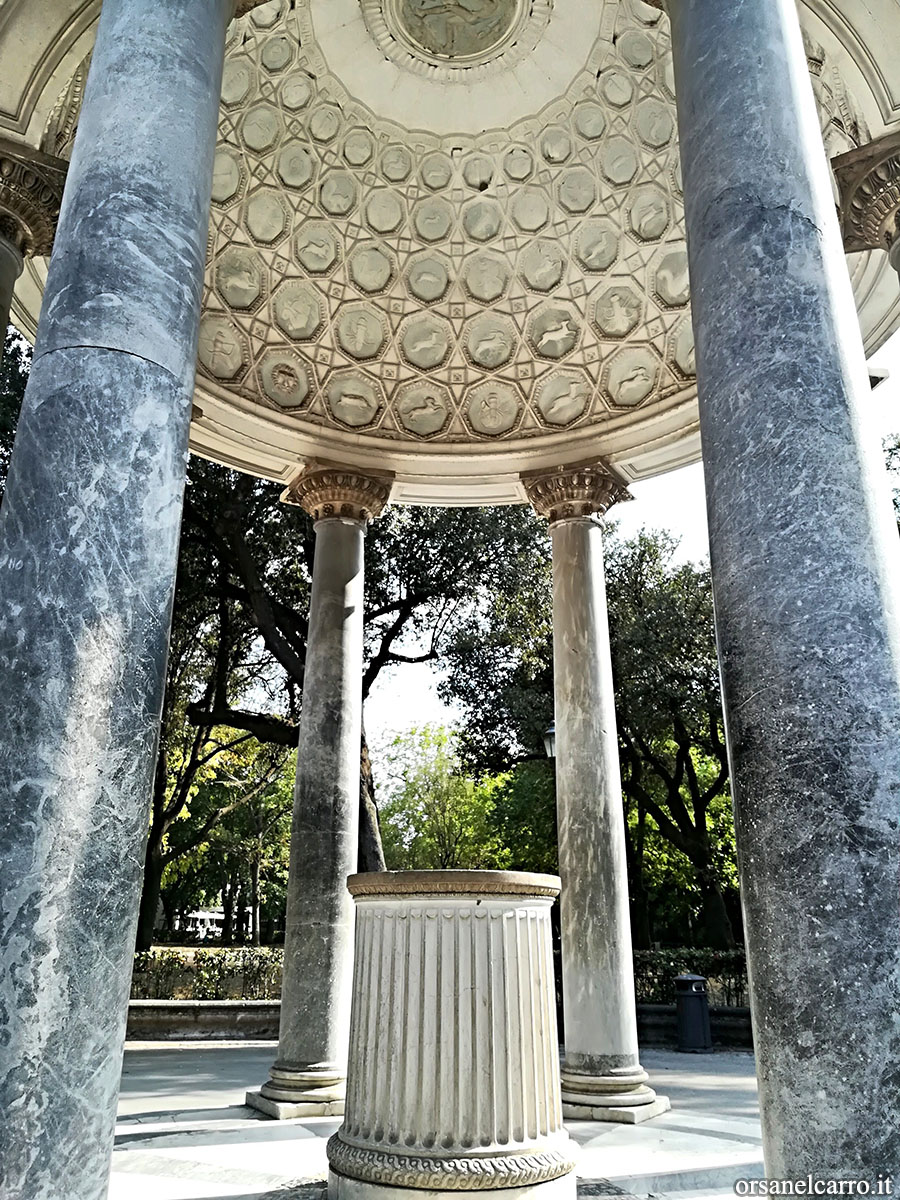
(327, 490)
(31, 188)
(869, 182)
(574, 492)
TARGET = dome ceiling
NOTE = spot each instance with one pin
(447, 239)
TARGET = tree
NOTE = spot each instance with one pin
(436, 817)
(674, 764)
(14, 369)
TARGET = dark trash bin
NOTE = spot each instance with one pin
(692, 1014)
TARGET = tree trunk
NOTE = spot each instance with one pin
(370, 851)
(154, 865)
(718, 933)
(227, 911)
(254, 902)
(240, 909)
(641, 936)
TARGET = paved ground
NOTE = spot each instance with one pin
(184, 1134)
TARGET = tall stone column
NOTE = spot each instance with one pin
(309, 1074)
(88, 546)
(806, 575)
(602, 1077)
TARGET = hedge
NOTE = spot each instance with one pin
(254, 973)
(726, 971)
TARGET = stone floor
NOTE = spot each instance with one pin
(184, 1133)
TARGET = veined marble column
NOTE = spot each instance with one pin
(806, 577)
(454, 1055)
(308, 1076)
(88, 549)
(602, 1078)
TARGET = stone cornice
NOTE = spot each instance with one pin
(329, 490)
(31, 188)
(569, 493)
(453, 883)
(869, 182)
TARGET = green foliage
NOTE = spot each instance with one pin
(435, 817)
(524, 816)
(14, 371)
(244, 974)
(254, 973)
(725, 971)
(672, 750)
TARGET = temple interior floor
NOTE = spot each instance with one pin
(183, 1131)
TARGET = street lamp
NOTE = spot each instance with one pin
(550, 740)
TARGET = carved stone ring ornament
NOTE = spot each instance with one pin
(573, 493)
(436, 1174)
(326, 491)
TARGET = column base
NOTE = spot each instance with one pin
(635, 1115)
(340, 1187)
(623, 1096)
(289, 1093)
(284, 1110)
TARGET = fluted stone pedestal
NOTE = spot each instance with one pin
(453, 1078)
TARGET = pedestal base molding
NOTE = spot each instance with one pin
(340, 1187)
(472, 1172)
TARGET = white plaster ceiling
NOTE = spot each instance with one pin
(459, 268)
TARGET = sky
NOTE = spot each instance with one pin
(406, 696)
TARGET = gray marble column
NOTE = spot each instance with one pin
(806, 573)
(88, 548)
(602, 1078)
(11, 264)
(309, 1075)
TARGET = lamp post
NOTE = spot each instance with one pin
(550, 740)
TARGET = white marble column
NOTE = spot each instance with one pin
(806, 578)
(454, 1063)
(602, 1078)
(88, 550)
(308, 1076)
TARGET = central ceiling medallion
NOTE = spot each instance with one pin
(456, 36)
(457, 31)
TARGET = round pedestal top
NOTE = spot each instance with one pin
(453, 883)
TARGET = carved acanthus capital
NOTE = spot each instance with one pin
(327, 490)
(574, 492)
(31, 188)
(869, 182)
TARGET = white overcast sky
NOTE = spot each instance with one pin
(407, 695)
